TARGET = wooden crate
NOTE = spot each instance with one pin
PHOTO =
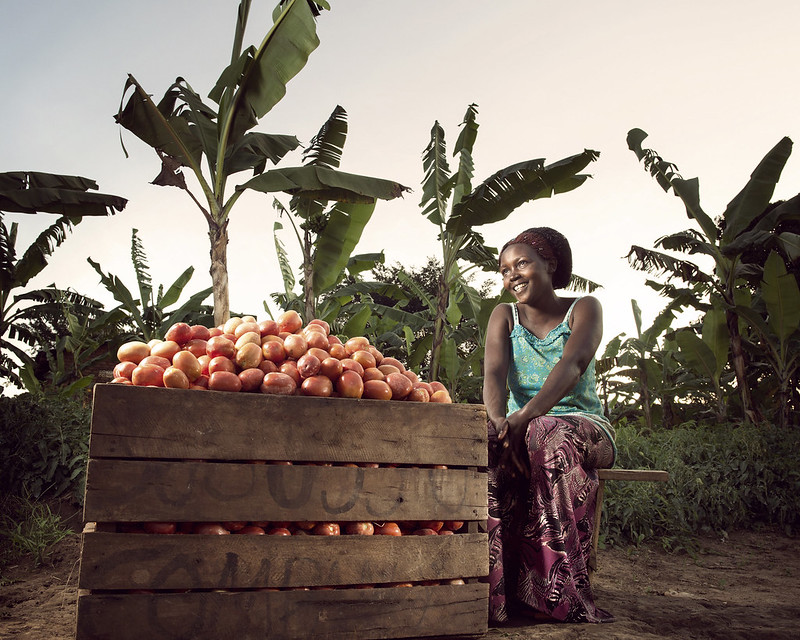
(190, 456)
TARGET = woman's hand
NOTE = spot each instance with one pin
(513, 448)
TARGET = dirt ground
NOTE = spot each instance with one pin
(746, 586)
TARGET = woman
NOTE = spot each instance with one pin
(547, 436)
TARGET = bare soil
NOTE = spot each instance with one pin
(746, 586)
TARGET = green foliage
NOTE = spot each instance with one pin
(44, 442)
(722, 477)
(29, 528)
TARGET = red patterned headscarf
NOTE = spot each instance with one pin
(551, 245)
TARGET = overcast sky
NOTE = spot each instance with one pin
(714, 83)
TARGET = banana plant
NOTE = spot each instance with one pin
(749, 221)
(451, 204)
(147, 314)
(216, 143)
(28, 192)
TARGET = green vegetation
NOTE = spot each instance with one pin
(28, 528)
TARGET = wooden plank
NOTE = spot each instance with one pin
(633, 475)
(146, 490)
(142, 561)
(147, 422)
(341, 614)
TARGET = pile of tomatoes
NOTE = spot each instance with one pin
(271, 356)
(415, 527)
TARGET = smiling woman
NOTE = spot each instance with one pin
(547, 435)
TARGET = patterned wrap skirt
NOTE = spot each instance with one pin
(540, 529)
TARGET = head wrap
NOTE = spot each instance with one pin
(550, 245)
(536, 240)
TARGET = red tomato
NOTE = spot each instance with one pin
(386, 369)
(156, 360)
(320, 386)
(290, 369)
(124, 369)
(446, 532)
(273, 351)
(221, 363)
(214, 331)
(204, 361)
(201, 382)
(220, 346)
(317, 339)
(247, 327)
(234, 526)
(160, 527)
(408, 373)
(295, 345)
(377, 390)
(326, 529)
(174, 378)
(224, 381)
(148, 375)
(453, 525)
(121, 380)
(231, 324)
(251, 379)
(331, 367)
(377, 355)
(350, 385)
(189, 364)
(425, 532)
(180, 332)
(395, 363)
(364, 358)
(436, 525)
(437, 386)
(199, 332)
(418, 394)
(321, 323)
(165, 349)
(290, 321)
(348, 364)
(308, 365)
(359, 528)
(249, 356)
(337, 350)
(441, 396)
(250, 337)
(279, 531)
(251, 530)
(210, 528)
(319, 353)
(423, 385)
(399, 384)
(373, 373)
(268, 328)
(268, 366)
(278, 383)
(388, 529)
(197, 346)
(358, 343)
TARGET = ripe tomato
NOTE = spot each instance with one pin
(290, 321)
(441, 396)
(348, 364)
(251, 379)
(199, 332)
(166, 349)
(174, 378)
(308, 365)
(377, 390)
(425, 532)
(364, 358)
(436, 525)
(268, 328)
(220, 346)
(337, 350)
(247, 327)
(230, 325)
(321, 323)
(163, 528)
(148, 375)
(268, 366)
(408, 373)
(359, 528)
(350, 385)
(121, 380)
(251, 530)
(273, 351)
(437, 386)
(331, 367)
(156, 360)
(395, 363)
(249, 356)
(399, 384)
(134, 351)
(188, 363)
(278, 383)
(319, 353)
(214, 331)
(248, 337)
(221, 363)
(388, 529)
(279, 531)
(295, 345)
(317, 339)
(376, 354)
(326, 529)
(210, 528)
(197, 346)
(290, 369)
(224, 381)
(453, 525)
(386, 369)
(180, 332)
(418, 394)
(320, 386)
(358, 343)
(124, 369)
(373, 373)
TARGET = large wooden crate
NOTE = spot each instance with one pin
(190, 456)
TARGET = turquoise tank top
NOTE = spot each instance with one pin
(533, 358)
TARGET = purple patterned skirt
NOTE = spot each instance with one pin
(540, 529)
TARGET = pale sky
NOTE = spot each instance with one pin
(714, 83)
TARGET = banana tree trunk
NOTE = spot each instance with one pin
(308, 279)
(644, 395)
(443, 299)
(218, 235)
(739, 364)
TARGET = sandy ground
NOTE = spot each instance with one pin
(747, 586)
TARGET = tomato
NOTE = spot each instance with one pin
(359, 528)
(337, 350)
(121, 380)
(418, 394)
(156, 360)
(134, 351)
(295, 345)
(425, 532)
(249, 356)
(268, 366)
(373, 373)
(377, 390)
(224, 381)
(423, 385)
(221, 363)
(196, 346)
(231, 324)
(321, 323)
(364, 358)
(376, 354)
(124, 370)
(201, 382)
(204, 362)
(441, 396)
(348, 364)
(317, 339)
(290, 321)
(251, 530)
(436, 525)
(199, 332)
(214, 331)
(251, 379)
(247, 327)
(220, 346)
(180, 332)
(320, 386)
(395, 363)
(174, 378)
(234, 526)
(148, 375)
(453, 525)
(273, 351)
(326, 529)
(189, 364)
(249, 337)
(331, 367)
(386, 369)
(399, 384)
(334, 339)
(279, 531)
(308, 365)
(268, 328)
(437, 386)
(278, 383)
(359, 343)
(319, 353)
(210, 528)
(388, 529)
(408, 373)
(160, 527)
(290, 369)
(165, 349)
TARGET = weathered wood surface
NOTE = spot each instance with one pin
(147, 490)
(341, 614)
(647, 475)
(148, 561)
(148, 422)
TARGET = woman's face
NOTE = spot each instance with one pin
(525, 273)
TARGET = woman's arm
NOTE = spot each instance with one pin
(496, 357)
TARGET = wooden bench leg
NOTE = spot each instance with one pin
(598, 511)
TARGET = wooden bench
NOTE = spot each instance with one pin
(637, 475)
